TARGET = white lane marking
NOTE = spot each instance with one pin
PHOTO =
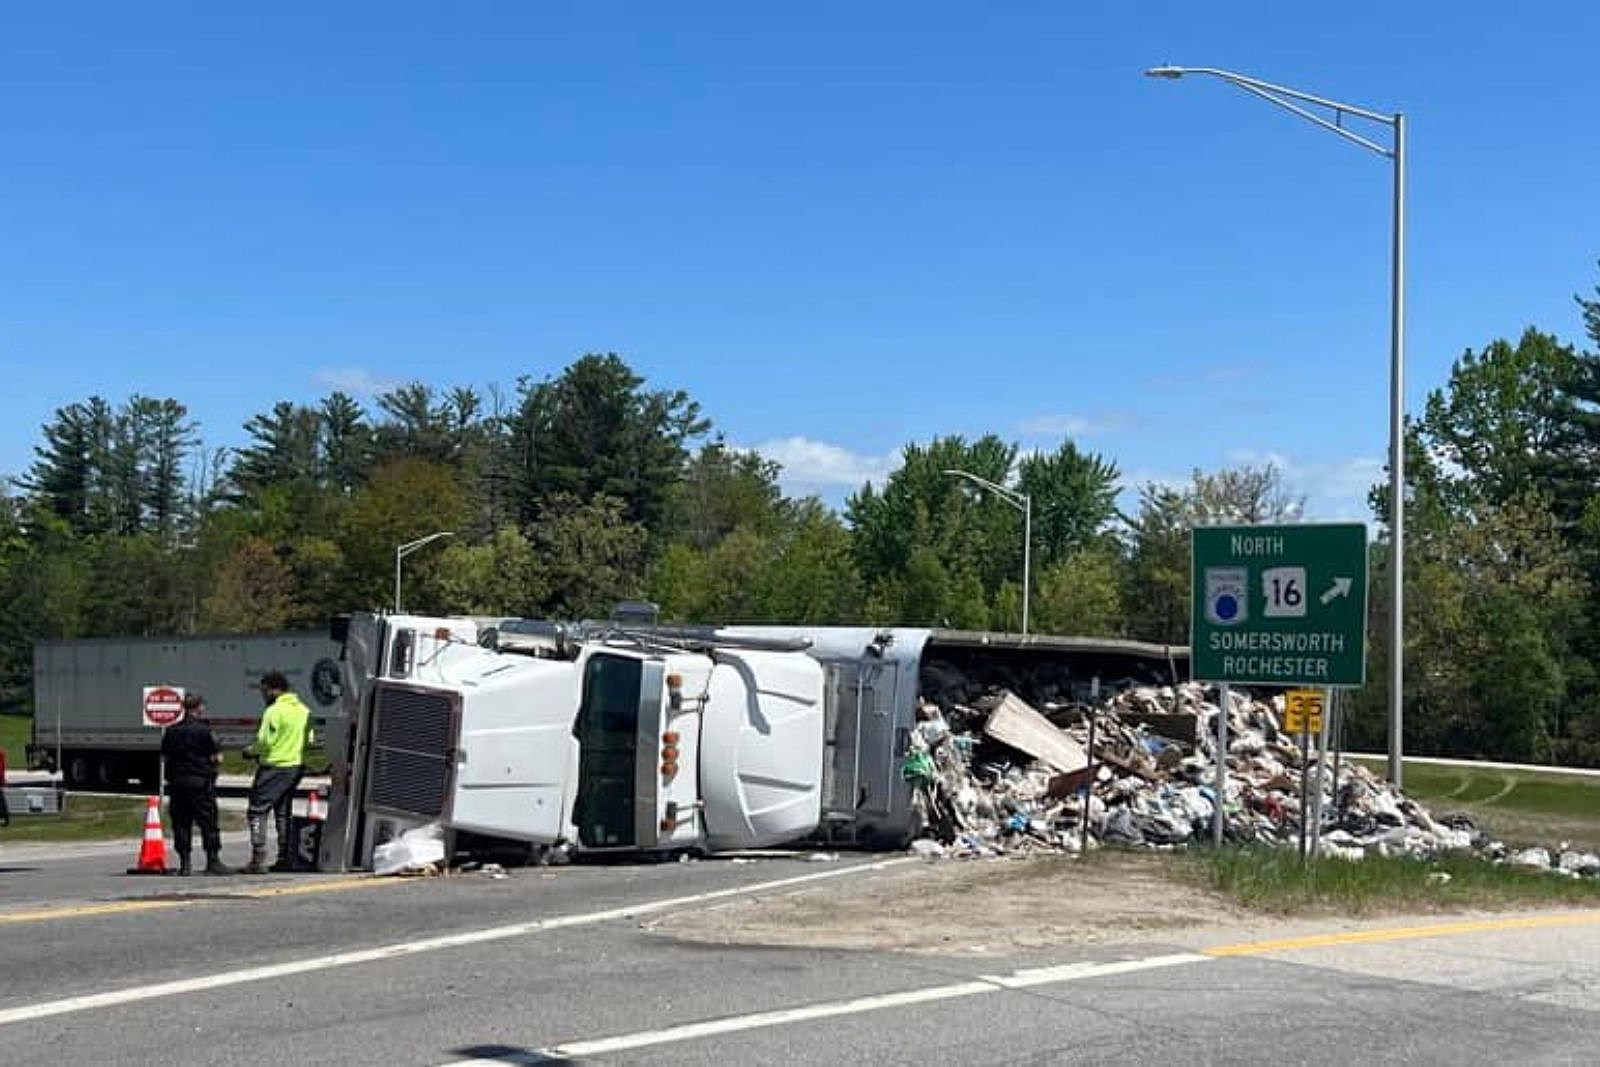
(44, 1010)
(983, 984)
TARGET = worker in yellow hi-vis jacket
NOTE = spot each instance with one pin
(280, 749)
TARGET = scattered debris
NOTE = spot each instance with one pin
(994, 775)
(1024, 729)
(418, 851)
(1537, 859)
(1583, 864)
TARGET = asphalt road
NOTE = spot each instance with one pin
(552, 963)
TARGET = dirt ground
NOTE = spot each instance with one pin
(974, 907)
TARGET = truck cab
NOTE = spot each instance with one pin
(605, 742)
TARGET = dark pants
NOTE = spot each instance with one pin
(272, 791)
(194, 803)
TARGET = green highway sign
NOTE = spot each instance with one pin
(1280, 605)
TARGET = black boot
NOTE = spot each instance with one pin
(214, 865)
(258, 862)
(183, 865)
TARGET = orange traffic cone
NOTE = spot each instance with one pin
(316, 807)
(153, 849)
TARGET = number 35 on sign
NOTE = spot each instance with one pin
(1302, 711)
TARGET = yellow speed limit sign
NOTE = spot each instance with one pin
(1302, 711)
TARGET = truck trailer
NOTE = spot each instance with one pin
(87, 715)
(600, 737)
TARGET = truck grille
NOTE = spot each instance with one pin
(412, 738)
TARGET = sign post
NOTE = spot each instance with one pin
(1219, 779)
(163, 707)
(1304, 714)
(1281, 605)
(1322, 766)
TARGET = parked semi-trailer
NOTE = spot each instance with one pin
(87, 695)
(609, 738)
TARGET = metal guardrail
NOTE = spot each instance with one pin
(22, 800)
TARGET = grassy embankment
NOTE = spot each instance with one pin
(1521, 808)
(15, 733)
(1274, 880)
(87, 818)
(94, 818)
(1518, 807)
(17, 730)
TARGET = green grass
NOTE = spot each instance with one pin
(93, 818)
(15, 733)
(86, 818)
(1274, 880)
(1519, 807)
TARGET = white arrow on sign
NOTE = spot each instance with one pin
(1340, 587)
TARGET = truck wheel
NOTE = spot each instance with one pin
(77, 771)
(104, 772)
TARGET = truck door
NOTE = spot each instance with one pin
(608, 728)
(639, 761)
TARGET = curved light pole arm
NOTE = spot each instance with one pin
(1285, 97)
(1011, 496)
(1266, 86)
(1023, 503)
(402, 551)
(1282, 96)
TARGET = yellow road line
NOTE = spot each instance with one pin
(1402, 933)
(77, 911)
(119, 907)
(332, 886)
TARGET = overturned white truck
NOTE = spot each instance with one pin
(600, 737)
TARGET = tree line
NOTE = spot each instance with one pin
(570, 492)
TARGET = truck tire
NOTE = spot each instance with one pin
(105, 772)
(77, 770)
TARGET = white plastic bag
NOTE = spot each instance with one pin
(411, 851)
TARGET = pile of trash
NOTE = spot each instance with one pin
(998, 777)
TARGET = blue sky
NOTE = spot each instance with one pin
(841, 227)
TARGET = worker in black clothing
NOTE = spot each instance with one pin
(192, 755)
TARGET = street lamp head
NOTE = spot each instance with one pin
(1170, 73)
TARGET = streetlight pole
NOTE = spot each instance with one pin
(1293, 100)
(402, 551)
(1023, 503)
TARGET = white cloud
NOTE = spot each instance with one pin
(819, 466)
(1334, 490)
(1216, 374)
(1078, 425)
(357, 381)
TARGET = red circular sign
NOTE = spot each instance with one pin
(163, 705)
